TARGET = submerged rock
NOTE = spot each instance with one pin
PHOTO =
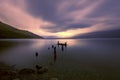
(42, 70)
(16, 79)
(7, 72)
(38, 67)
(53, 78)
(26, 71)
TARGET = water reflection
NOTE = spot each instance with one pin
(61, 46)
(55, 54)
(82, 49)
(38, 43)
(67, 56)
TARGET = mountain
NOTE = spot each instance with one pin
(8, 32)
(101, 34)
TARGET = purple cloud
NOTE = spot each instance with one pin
(55, 16)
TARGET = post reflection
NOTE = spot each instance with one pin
(55, 49)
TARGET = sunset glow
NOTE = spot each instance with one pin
(61, 18)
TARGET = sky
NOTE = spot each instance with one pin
(61, 18)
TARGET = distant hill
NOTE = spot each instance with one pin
(101, 34)
(8, 32)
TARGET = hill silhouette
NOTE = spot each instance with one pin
(9, 32)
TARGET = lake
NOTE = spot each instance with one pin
(80, 59)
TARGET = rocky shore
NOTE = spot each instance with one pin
(10, 73)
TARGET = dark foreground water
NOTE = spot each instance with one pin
(81, 59)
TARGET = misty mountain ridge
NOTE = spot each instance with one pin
(101, 34)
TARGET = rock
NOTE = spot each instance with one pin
(8, 72)
(26, 71)
(53, 78)
(4, 73)
(38, 67)
(16, 79)
(42, 70)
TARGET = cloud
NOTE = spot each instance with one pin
(80, 11)
(61, 17)
(64, 28)
(107, 8)
(43, 8)
(19, 18)
(60, 12)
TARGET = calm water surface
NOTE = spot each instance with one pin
(86, 59)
